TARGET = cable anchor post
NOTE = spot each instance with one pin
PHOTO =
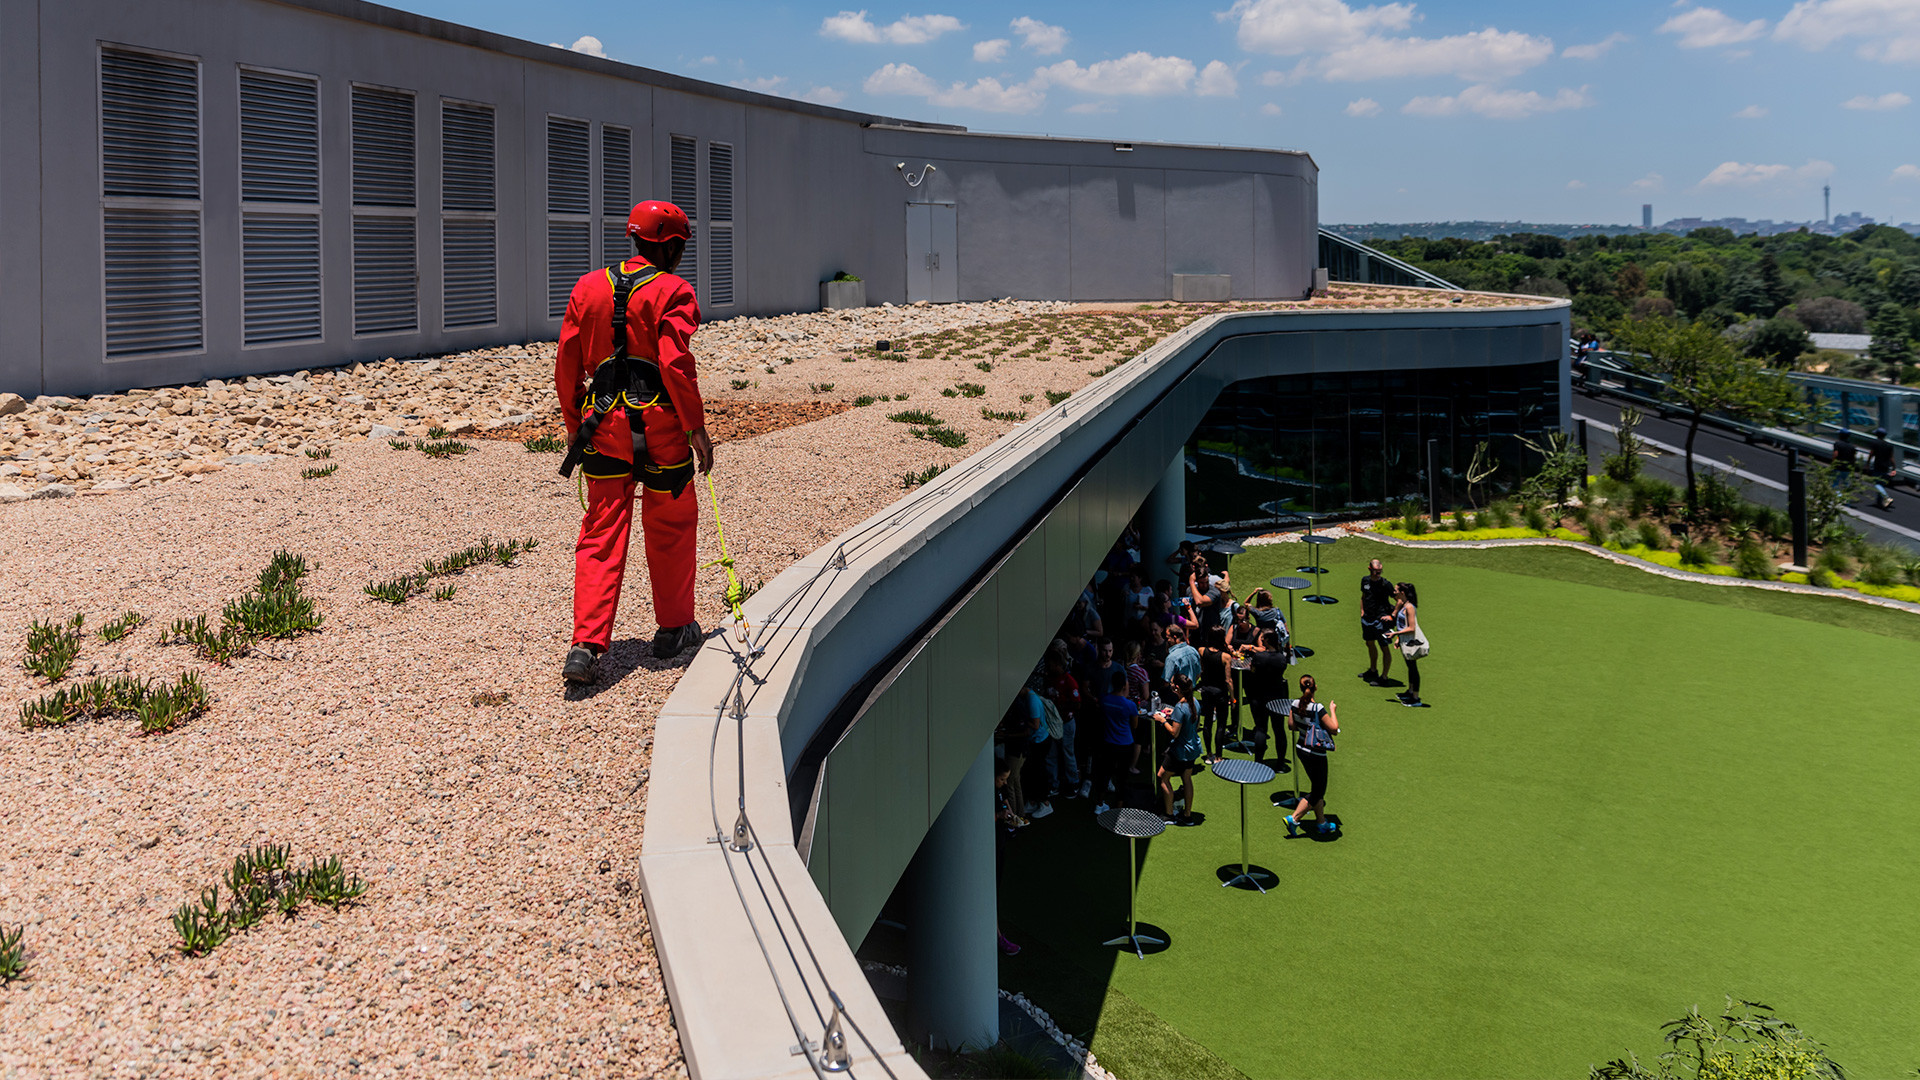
(742, 836)
(833, 1045)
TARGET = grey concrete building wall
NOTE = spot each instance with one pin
(815, 190)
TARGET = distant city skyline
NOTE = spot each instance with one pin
(1496, 109)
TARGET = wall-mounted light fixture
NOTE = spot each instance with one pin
(1123, 148)
(912, 180)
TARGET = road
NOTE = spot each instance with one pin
(1762, 469)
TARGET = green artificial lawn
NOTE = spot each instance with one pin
(1631, 795)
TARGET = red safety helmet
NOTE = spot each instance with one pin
(656, 221)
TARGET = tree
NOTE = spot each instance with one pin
(1746, 1042)
(1779, 341)
(1704, 374)
(1830, 315)
(1630, 283)
(1890, 348)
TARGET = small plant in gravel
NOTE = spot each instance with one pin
(545, 444)
(159, 706)
(314, 454)
(437, 432)
(399, 444)
(820, 387)
(914, 416)
(944, 436)
(1024, 398)
(398, 590)
(1006, 414)
(52, 647)
(983, 366)
(320, 473)
(275, 608)
(13, 955)
(863, 401)
(444, 592)
(490, 697)
(739, 384)
(970, 389)
(116, 629)
(1055, 397)
(261, 880)
(911, 480)
(443, 448)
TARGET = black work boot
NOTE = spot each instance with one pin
(670, 642)
(579, 667)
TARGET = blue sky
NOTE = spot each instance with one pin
(1413, 111)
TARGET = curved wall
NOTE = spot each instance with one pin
(887, 658)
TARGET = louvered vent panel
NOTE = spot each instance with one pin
(685, 187)
(149, 126)
(467, 157)
(152, 281)
(471, 273)
(720, 266)
(719, 183)
(385, 275)
(614, 244)
(568, 174)
(569, 255)
(280, 256)
(383, 149)
(616, 173)
(279, 138)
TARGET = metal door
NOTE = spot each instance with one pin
(933, 232)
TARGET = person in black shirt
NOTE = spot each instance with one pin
(1266, 681)
(1376, 612)
(1844, 458)
(1216, 691)
(1880, 468)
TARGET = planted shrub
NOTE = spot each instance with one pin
(444, 592)
(545, 444)
(944, 436)
(437, 433)
(261, 879)
(1535, 520)
(1652, 494)
(398, 590)
(1772, 523)
(322, 452)
(1834, 561)
(997, 414)
(914, 416)
(158, 706)
(863, 401)
(119, 628)
(1599, 529)
(13, 955)
(1750, 561)
(443, 448)
(1652, 536)
(1502, 512)
(1879, 566)
(1702, 552)
(52, 647)
(910, 480)
(320, 473)
(1055, 397)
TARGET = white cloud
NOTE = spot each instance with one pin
(987, 95)
(854, 26)
(1365, 106)
(708, 60)
(1286, 78)
(1270, 109)
(1653, 181)
(1038, 37)
(1893, 99)
(1596, 50)
(1906, 172)
(1087, 107)
(1484, 56)
(777, 84)
(1216, 80)
(587, 45)
(1576, 185)
(1294, 27)
(824, 95)
(766, 84)
(1710, 28)
(1498, 104)
(1137, 74)
(1751, 112)
(990, 52)
(1743, 174)
(1889, 29)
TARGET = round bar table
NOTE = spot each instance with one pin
(1134, 825)
(1293, 585)
(1319, 542)
(1314, 566)
(1280, 709)
(1241, 774)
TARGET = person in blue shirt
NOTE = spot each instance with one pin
(1118, 713)
(1182, 658)
(1183, 752)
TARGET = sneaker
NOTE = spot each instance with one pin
(1185, 821)
(1329, 826)
(1100, 808)
(670, 642)
(1293, 827)
(1369, 676)
(1043, 810)
(1086, 788)
(579, 666)
(1008, 947)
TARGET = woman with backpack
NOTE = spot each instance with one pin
(1412, 640)
(1183, 751)
(1314, 726)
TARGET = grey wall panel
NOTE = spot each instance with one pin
(1021, 638)
(962, 707)
(879, 807)
(1285, 244)
(1014, 230)
(1062, 532)
(20, 225)
(1210, 226)
(1118, 239)
(801, 215)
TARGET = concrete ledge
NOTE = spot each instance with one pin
(1203, 287)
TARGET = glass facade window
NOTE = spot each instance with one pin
(1336, 443)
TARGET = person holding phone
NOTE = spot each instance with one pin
(1314, 726)
(1182, 724)
(1407, 635)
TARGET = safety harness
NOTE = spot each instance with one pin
(631, 383)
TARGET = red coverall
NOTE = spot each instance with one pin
(661, 318)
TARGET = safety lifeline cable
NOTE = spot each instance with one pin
(736, 593)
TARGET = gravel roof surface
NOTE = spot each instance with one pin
(502, 932)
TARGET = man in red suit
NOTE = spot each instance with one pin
(631, 384)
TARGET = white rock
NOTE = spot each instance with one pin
(249, 459)
(382, 431)
(12, 493)
(54, 491)
(11, 404)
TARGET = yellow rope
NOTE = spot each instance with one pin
(736, 593)
(580, 488)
